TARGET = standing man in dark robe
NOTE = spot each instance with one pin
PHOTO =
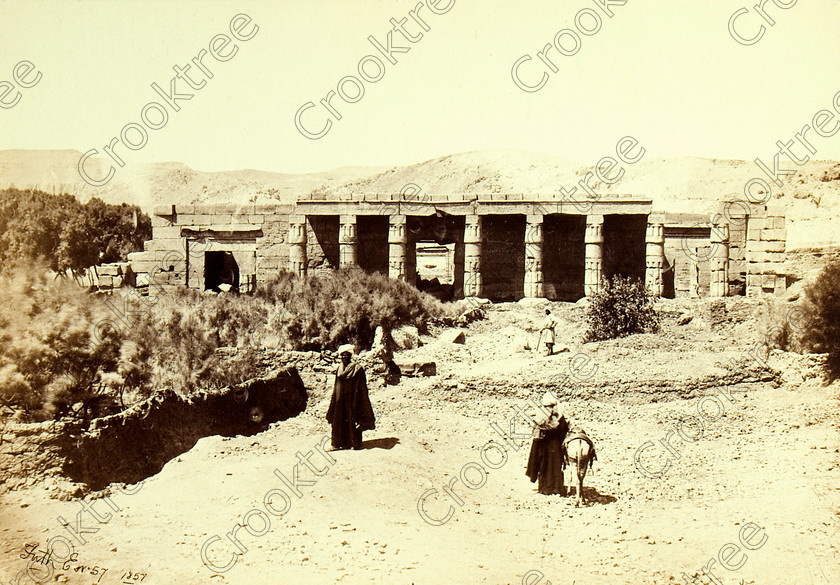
(350, 411)
(547, 458)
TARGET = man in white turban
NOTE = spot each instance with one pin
(546, 460)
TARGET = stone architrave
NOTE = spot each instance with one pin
(297, 245)
(397, 240)
(534, 256)
(593, 264)
(719, 262)
(654, 257)
(347, 241)
(472, 256)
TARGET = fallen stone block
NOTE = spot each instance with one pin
(452, 336)
(417, 369)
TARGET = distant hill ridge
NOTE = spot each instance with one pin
(682, 185)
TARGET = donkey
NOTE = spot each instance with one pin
(580, 450)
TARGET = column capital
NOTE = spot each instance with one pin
(472, 229)
(397, 233)
(594, 232)
(655, 233)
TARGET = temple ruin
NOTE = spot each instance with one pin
(501, 246)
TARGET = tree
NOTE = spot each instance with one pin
(67, 236)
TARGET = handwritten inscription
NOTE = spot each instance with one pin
(45, 558)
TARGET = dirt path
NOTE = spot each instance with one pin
(770, 458)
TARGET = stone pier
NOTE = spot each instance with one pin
(347, 241)
(397, 243)
(654, 254)
(297, 245)
(472, 256)
(594, 240)
(534, 256)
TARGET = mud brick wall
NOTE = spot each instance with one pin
(564, 256)
(135, 444)
(503, 256)
(32, 453)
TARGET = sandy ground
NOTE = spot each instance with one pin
(770, 458)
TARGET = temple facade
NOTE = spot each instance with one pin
(502, 246)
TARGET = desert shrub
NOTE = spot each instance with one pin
(323, 311)
(56, 350)
(622, 307)
(60, 346)
(819, 326)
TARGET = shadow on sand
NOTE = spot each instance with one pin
(386, 443)
(591, 496)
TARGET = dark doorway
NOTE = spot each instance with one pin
(372, 235)
(564, 256)
(624, 246)
(668, 286)
(220, 268)
(503, 257)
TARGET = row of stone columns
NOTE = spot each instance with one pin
(533, 286)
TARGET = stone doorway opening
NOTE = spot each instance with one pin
(221, 272)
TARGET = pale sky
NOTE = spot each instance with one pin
(667, 72)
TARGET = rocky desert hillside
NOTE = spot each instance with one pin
(682, 185)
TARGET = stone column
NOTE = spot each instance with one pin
(719, 262)
(347, 241)
(397, 239)
(533, 256)
(297, 245)
(594, 239)
(472, 256)
(654, 256)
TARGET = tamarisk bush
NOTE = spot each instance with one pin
(622, 307)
